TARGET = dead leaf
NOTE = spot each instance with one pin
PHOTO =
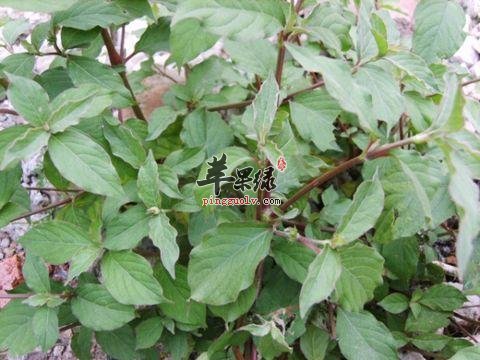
(10, 275)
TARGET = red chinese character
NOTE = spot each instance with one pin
(281, 164)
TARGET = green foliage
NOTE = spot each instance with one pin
(379, 168)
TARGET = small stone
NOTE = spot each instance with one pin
(467, 53)
(57, 350)
(5, 243)
(9, 252)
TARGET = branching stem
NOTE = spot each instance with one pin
(308, 242)
(15, 296)
(49, 207)
(371, 154)
(116, 60)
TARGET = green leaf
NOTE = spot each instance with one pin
(24, 146)
(184, 160)
(414, 66)
(413, 185)
(401, 257)
(148, 332)
(35, 273)
(379, 31)
(367, 44)
(361, 336)
(16, 330)
(148, 182)
(84, 162)
(442, 297)
(46, 6)
(125, 144)
(394, 303)
(119, 344)
(430, 342)
(339, 83)
(362, 213)
(254, 56)
(96, 309)
(387, 100)
(293, 258)
(169, 182)
(74, 38)
(82, 343)
(55, 81)
(164, 237)
(426, 320)
(232, 311)
(75, 104)
(89, 14)
(188, 39)
(155, 38)
(268, 338)
(228, 17)
(322, 275)
(181, 307)
(438, 29)
(129, 278)
(19, 64)
(450, 114)
(10, 179)
(180, 344)
(19, 204)
(225, 262)
(314, 110)
(361, 273)
(160, 119)
(208, 130)
(264, 107)
(136, 8)
(314, 343)
(12, 30)
(84, 70)
(56, 241)
(468, 353)
(83, 262)
(45, 327)
(419, 192)
(464, 192)
(273, 344)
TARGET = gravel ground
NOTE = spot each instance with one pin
(10, 251)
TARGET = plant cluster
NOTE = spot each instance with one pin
(380, 169)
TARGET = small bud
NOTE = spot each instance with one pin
(153, 210)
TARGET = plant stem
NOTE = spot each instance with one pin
(245, 103)
(320, 180)
(371, 154)
(308, 242)
(299, 5)
(33, 188)
(239, 105)
(463, 330)
(467, 319)
(49, 207)
(122, 43)
(115, 60)
(280, 58)
(8, 111)
(15, 296)
(316, 85)
(469, 82)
